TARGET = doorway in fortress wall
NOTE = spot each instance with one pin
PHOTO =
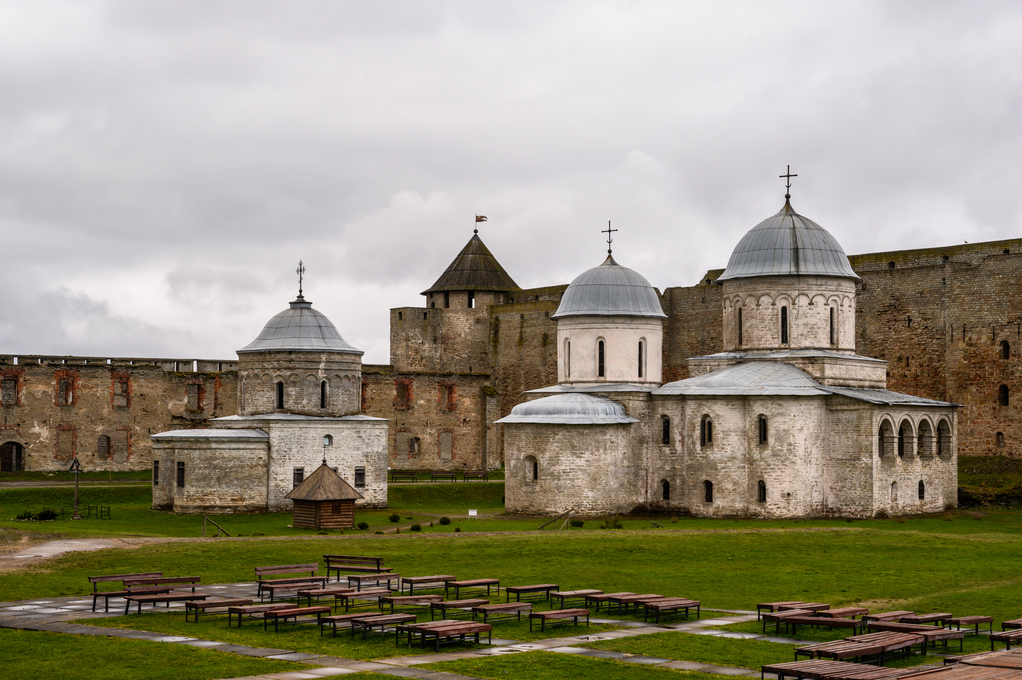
(11, 454)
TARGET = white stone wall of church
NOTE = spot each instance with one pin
(938, 473)
(302, 374)
(593, 469)
(219, 476)
(621, 336)
(808, 299)
(847, 465)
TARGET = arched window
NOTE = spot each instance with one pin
(531, 469)
(833, 327)
(894, 492)
(600, 368)
(740, 338)
(280, 394)
(922, 490)
(447, 299)
(1005, 349)
(328, 440)
(567, 358)
(924, 442)
(1002, 395)
(762, 427)
(1000, 440)
(322, 394)
(103, 446)
(943, 438)
(708, 491)
(641, 358)
(902, 437)
(705, 431)
(885, 439)
(784, 325)
(665, 490)
(761, 491)
(665, 430)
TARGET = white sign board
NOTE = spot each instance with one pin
(473, 513)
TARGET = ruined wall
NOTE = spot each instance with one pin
(104, 410)
(440, 340)
(523, 341)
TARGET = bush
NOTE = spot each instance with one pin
(46, 515)
(26, 514)
(612, 523)
(379, 532)
(416, 527)
(457, 530)
(445, 520)
(363, 525)
(576, 523)
(395, 518)
(323, 533)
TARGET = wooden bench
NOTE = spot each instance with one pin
(409, 601)
(777, 618)
(887, 616)
(811, 606)
(771, 607)
(253, 610)
(502, 611)
(279, 615)
(599, 598)
(844, 612)
(370, 597)
(793, 622)
(368, 623)
(436, 475)
(205, 605)
(671, 605)
(1011, 625)
(133, 590)
(563, 596)
(623, 602)
(937, 619)
(1006, 636)
(544, 590)
(959, 621)
(336, 619)
(164, 581)
(261, 572)
(412, 581)
(445, 630)
(879, 644)
(315, 593)
(404, 476)
(156, 598)
(376, 579)
(353, 563)
(558, 615)
(931, 633)
(290, 585)
(446, 605)
(475, 474)
(476, 583)
(825, 669)
(97, 593)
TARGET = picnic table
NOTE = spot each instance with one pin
(205, 605)
(383, 579)
(959, 621)
(563, 596)
(544, 590)
(367, 623)
(446, 605)
(97, 593)
(669, 605)
(557, 615)
(931, 633)
(501, 611)
(444, 630)
(156, 598)
(252, 610)
(825, 669)
(279, 615)
(408, 601)
(476, 583)
(412, 581)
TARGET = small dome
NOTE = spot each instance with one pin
(787, 244)
(610, 290)
(763, 378)
(570, 409)
(299, 329)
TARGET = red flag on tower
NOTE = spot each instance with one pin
(480, 218)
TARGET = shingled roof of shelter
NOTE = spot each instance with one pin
(324, 485)
(475, 268)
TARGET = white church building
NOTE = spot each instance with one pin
(788, 421)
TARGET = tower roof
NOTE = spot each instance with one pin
(570, 409)
(610, 290)
(324, 485)
(787, 244)
(475, 268)
(300, 328)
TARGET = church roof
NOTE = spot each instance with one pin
(300, 328)
(223, 435)
(787, 244)
(475, 268)
(324, 485)
(754, 378)
(610, 290)
(570, 409)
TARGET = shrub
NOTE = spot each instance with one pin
(445, 520)
(258, 533)
(323, 533)
(612, 523)
(576, 523)
(379, 532)
(416, 527)
(431, 524)
(363, 525)
(25, 514)
(395, 518)
(882, 514)
(457, 530)
(46, 515)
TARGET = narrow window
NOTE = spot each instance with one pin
(761, 491)
(922, 490)
(599, 360)
(901, 440)
(192, 397)
(531, 469)
(360, 477)
(447, 299)
(784, 325)
(665, 490)
(103, 446)
(1005, 349)
(65, 392)
(156, 473)
(403, 394)
(640, 358)
(1000, 440)
(322, 394)
(665, 427)
(882, 442)
(180, 474)
(705, 431)
(894, 492)
(280, 395)
(446, 446)
(297, 476)
(740, 329)
(413, 446)
(708, 491)
(567, 358)
(833, 328)
(762, 421)
(1003, 395)
(471, 299)
(400, 316)
(535, 470)
(9, 391)
(328, 440)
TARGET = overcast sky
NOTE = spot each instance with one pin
(165, 165)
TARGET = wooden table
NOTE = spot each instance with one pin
(939, 618)
(279, 615)
(155, 599)
(776, 606)
(501, 611)
(563, 596)
(476, 583)
(931, 633)
(887, 616)
(445, 630)
(623, 602)
(205, 605)
(382, 621)
(412, 581)
(408, 601)
(336, 591)
(254, 609)
(599, 598)
(446, 605)
(669, 605)
(1006, 636)
(558, 614)
(544, 589)
(825, 669)
(366, 595)
(960, 621)
(376, 578)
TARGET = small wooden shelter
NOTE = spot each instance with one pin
(324, 501)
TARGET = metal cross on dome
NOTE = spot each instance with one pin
(301, 274)
(787, 186)
(608, 231)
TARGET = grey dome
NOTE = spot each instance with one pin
(610, 290)
(300, 328)
(787, 244)
(570, 409)
(764, 378)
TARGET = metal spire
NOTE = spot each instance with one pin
(787, 187)
(608, 231)
(301, 275)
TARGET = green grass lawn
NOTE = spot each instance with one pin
(554, 666)
(702, 648)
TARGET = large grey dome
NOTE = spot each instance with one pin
(610, 290)
(300, 328)
(570, 409)
(787, 244)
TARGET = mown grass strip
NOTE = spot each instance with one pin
(701, 648)
(554, 666)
